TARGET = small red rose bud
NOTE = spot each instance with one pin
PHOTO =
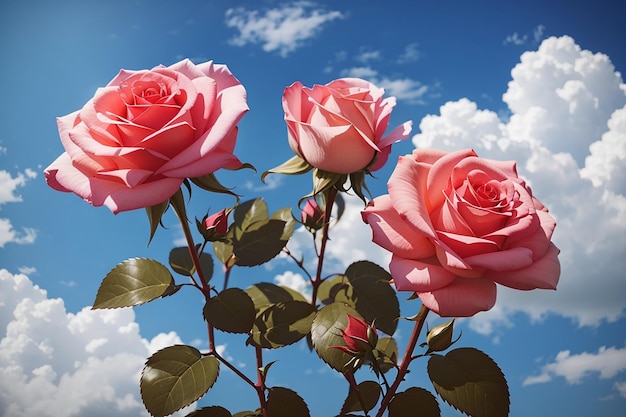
(215, 226)
(313, 216)
(359, 337)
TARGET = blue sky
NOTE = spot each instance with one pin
(534, 81)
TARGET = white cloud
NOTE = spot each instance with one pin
(607, 362)
(360, 72)
(8, 188)
(566, 127)
(538, 33)
(518, 39)
(367, 55)
(515, 39)
(10, 235)
(9, 185)
(281, 29)
(405, 89)
(55, 363)
(410, 54)
(620, 387)
(27, 270)
(294, 281)
(606, 160)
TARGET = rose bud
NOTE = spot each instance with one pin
(440, 337)
(340, 127)
(359, 337)
(215, 226)
(313, 216)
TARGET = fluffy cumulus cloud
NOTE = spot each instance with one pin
(8, 194)
(55, 363)
(567, 131)
(607, 363)
(282, 29)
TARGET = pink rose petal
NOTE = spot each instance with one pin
(461, 298)
(419, 276)
(392, 233)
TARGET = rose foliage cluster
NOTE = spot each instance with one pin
(456, 225)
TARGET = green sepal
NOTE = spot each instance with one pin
(324, 180)
(471, 382)
(245, 165)
(178, 204)
(210, 183)
(133, 282)
(357, 183)
(155, 213)
(175, 377)
(293, 166)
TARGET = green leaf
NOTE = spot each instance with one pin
(231, 311)
(180, 261)
(248, 414)
(175, 377)
(386, 354)
(282, 324)
(336, 289)
(265, 294)
(283, 402)
(376, 300)
(223, 251)
(286, 216)
(154, 216)
(414, 402)
(133, 282)
(471, 382)
(364, 400)
(213, 411)
(250, 212)
(256, 247)
(326, 332)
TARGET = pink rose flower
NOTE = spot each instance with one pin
(456, 225)
(339, 127)
(138, 138)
